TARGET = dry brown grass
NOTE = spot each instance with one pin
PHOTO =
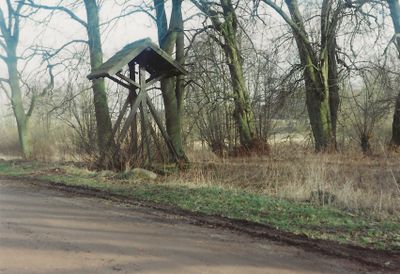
(47, 145)
(354, 181)
(9, 144)
(292, 171)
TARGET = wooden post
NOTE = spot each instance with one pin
(132, 114)
(164, 133)
(155, 116)
(134, 127)
(145, 140)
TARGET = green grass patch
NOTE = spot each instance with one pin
(300, 218)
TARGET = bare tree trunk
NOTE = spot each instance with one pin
(395, 140)
(365, 143)
(243, 115)
(320, 71)
(92, 26)
(10, 34)
(179, 88)
(334, 98)
(16, 101)
(319, 115)
(395, 14)
(226, 24)
(171, 37)
(104, 126)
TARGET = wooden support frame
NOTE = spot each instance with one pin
(157, 119)
(141, 99)
(145, 56)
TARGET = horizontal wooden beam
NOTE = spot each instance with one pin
(116, 80)
(130, 81)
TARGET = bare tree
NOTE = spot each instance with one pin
(92, 27)
(170, 37)
(319, 62)
(394, 8)
(9, 41)
(209, 103)
(226, 26)
(370, 104)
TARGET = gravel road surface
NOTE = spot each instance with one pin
(46, 231)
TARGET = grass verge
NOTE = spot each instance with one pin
(318, 222)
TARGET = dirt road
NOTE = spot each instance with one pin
(46, 231)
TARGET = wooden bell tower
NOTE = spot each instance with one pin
(151, 64)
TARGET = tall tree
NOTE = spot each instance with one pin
(103, 119)
(319, 67)
(9, 40)
(394, 8)
(10, 34)
(225, 22)
(92, 27)
(170, 37)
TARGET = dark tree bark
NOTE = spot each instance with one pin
(395, 14)
(171, 37)
(395, 141)
(103, 119)
(320, 69)
(228, 29)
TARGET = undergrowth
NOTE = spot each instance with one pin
(315, 221)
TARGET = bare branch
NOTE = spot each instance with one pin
(16, 27)
(59, 8)
(2, 81)
(194, 36)
(289, 21)
(3, 28)
(137, 9)
(3, 45)
(10, 12)
(50, 85)
(212, 14)
(48, 55)
(32, 105)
